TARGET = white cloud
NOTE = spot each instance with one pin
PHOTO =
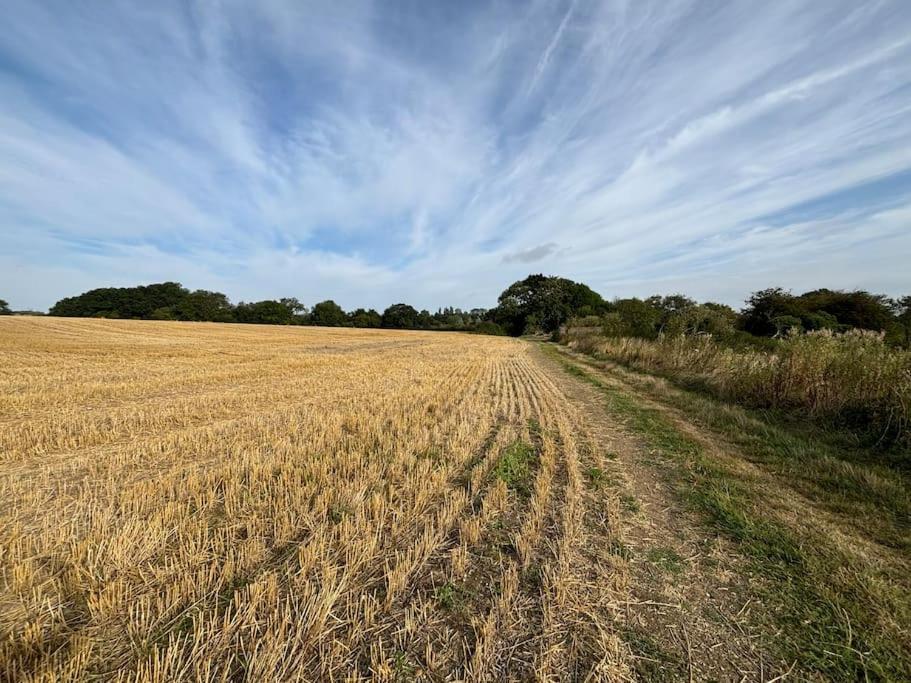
(377, 152)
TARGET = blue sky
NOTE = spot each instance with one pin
(434, 152)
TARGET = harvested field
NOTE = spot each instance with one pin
(227, 502)
(215, 502)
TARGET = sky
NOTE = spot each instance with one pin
(435, 152)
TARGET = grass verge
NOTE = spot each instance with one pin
(838, 615)
(849, 482)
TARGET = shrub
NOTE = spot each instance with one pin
(487, 327)
(852, 380)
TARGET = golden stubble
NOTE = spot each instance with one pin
(185, 501)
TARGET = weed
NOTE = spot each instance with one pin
(446, 595)
(516, 468)
(629, 503)
(620, 549)
(666, 558)
(404, 667)
(338, 512)
(596, 477)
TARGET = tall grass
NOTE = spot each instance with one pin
(852, 381)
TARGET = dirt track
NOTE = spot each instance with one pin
(687, 614)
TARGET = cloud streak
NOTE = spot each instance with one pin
(376, 152)
(531, 255)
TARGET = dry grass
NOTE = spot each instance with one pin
(225, 502)
(853, 380)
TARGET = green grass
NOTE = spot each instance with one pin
(404, 668)
(629, 503)
(447, 595)
(653, 663)
(851, 482)
(835, 616)
(597, 477)
(665, 558)
(516, 468)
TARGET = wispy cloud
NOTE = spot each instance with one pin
(376, 152)
(531, 255)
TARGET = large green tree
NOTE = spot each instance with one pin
(640, 318)
(858, 309)
(401, 317)
(773, 311)
(671, 306)
(4, 308)
(328, 314)
(543, 303)
(768, 311)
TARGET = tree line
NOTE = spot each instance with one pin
(541, 303)
(173, 301)
(536, 304)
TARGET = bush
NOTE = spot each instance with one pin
(852, 380)
(487, 327)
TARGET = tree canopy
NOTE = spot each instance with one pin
(771, 312)
(365, 318)
(172, 301)
(543, 303)
(328, 314)
(121, 302)
(400, 316)
(266, 312)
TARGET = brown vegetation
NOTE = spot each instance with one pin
(219, 502)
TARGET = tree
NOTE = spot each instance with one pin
(613, 325)
(640, 318)
(400, 316)
(767, 305)
(205, 306)
(717, 320)
(294, 304)
(487, 327)
(786, 324)
(149, 297)
(425, 320)
(544, 303)
(365, 318)
(857, 309)
(669, 307)
(902, 308)
(121, 302)
(267, 312)
(819, 320)
(328, 314)
(4, 308)
(769, 312)
(299, 310)
(163, 313)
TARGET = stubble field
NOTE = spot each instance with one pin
(224, 502)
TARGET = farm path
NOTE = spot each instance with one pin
(689, 602)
